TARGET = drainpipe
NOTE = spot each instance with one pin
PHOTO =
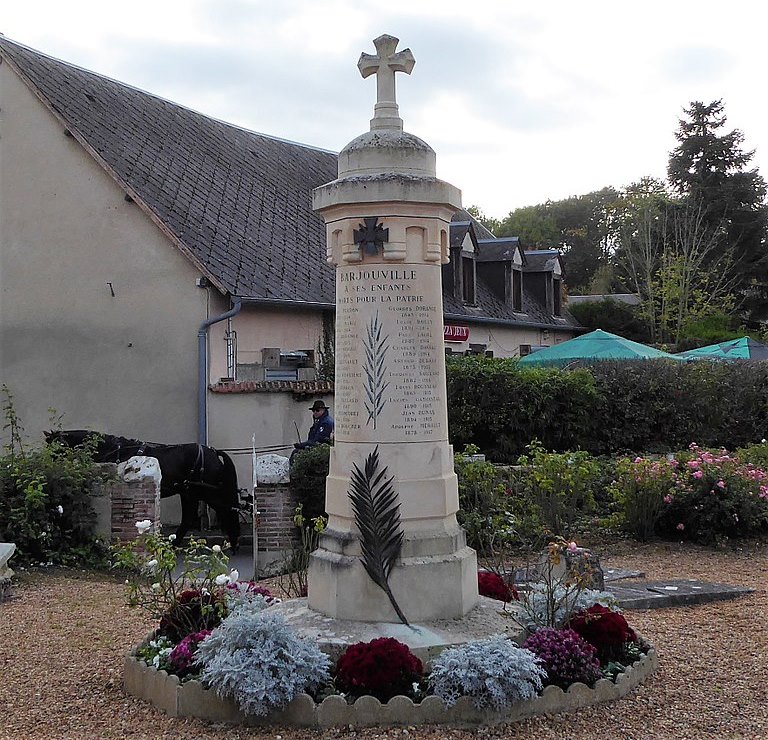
(202, 368)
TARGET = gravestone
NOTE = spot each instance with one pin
(6, 552)
(387, 223)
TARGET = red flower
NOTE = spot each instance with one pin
(494, 586)
(604, 628)
(382, 668)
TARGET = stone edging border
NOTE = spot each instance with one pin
(190, 699)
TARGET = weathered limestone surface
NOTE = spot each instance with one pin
(388, 219)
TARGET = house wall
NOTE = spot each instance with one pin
(234, 419)
(125, 364)
(505, 341)
(258, 327)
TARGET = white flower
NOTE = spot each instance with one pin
(234, 576)
(155, 587)
(762, 441)
(221, 580)
(60, 509)
(143, 525)
(171, 537)
(216, 548)
(151, 564)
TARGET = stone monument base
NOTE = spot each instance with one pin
(435, 578)
(425, 639)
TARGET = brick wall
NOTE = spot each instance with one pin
(120, 504)
(275, 526)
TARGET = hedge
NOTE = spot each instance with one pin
(609, 407)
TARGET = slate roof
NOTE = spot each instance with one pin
(238, 204)
(541, 260)
(499, 250)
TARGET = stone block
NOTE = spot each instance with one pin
(578, 563)
(6, 552)
(300, 712)
(334, 712)
(196, 701)
(400, 710)
(368, 711)
(272, 469)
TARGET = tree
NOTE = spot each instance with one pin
(671, 256)
(490, 223)
(576, 225)
(708, 168)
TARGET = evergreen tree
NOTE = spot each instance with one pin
(710, 169)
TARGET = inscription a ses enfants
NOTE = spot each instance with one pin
(378, 286)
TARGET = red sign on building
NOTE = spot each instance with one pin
(453, 333)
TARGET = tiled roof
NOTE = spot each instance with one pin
(236, 203)
(499, 250)
(298, 387)
(540, 260)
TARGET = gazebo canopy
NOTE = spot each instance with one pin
(744, 348)
(593, 347)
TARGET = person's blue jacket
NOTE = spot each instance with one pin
(320, 431)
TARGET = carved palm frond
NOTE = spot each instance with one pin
(376, 347)
(377, 515)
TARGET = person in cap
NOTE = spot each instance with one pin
(321, 429)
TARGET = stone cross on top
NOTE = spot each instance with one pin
(384, 64)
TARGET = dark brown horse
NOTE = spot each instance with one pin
(194, 472)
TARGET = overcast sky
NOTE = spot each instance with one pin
(522, 101)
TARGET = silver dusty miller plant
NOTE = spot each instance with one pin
(494, 672)
(260, 662)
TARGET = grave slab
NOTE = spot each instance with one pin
(676, 592)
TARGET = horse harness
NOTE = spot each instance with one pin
(193, 477)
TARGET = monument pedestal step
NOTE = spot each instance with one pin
(426, 640)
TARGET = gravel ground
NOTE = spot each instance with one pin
(64, 636)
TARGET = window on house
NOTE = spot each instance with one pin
(468, 279)
(557, 298)
(517, 290)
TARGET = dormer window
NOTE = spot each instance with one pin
(517, 290)
(468, 277)
(557, 297)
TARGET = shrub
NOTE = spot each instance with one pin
(156, 652)
(609, 407)
(181, 658)
(182, 587)
(559, 484)
(194, 610)
(717, 497)
(309, 469)
(494, 672)
(260, 663)
(565, 656)
(382, 668)
(482, 505)
(293, 579)
(561, 590)
(605, 629)
(45, 500)
(547, 605)
(501, 407)
(494, 586)
(642, 486)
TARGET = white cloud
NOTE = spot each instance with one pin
(522, 102)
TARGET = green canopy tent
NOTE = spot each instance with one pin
(593, 347)
(744, 348)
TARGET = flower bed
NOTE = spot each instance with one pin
(191, 699)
